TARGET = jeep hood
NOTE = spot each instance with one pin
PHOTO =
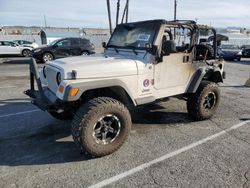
(95, 66)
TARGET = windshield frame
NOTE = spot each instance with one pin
(155, 24)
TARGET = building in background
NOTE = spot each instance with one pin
(43, 36)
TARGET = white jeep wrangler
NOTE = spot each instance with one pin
(142, 63)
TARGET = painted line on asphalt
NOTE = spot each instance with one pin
(164, 157)
(19, 113)
(8, 87)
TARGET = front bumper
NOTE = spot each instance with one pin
(231, 57)
(43, 98)
(37, 55)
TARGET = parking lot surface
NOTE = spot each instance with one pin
(166, 147)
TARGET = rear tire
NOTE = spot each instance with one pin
(204, 103)
(101, 126)
(202, 50)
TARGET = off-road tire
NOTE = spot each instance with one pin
(61, 116)
(86, 118)
(196, 101)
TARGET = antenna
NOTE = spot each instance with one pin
(124, 14)
(127, 11)
(109, 15)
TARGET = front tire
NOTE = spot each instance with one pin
(101, 126)
(47, 57)
(204, 103)
(26, 53)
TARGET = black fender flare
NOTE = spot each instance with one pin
(196, 80)
(202, 73)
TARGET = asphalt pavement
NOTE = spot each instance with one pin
(166, 147)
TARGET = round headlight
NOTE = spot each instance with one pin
(58, 78)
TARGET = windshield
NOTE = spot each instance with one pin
(53, 42)
(229, 46)
(136, 36)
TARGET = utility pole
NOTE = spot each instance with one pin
(175, 9)
(175, 17)
(45, 22)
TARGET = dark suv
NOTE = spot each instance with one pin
(63, 48)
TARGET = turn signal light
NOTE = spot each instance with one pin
(73, 92)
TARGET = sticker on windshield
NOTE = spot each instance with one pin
(143, 37)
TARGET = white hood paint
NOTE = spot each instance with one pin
(96, 66)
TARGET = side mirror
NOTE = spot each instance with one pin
(104, 45)
(13, 45)
(158, 58)
(151, 48)
(55, 46)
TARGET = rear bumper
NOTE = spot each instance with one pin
(43, 98)
(92, 52)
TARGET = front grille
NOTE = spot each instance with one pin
(51, 73)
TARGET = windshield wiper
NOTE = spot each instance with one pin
(114, 46)
(133, 48)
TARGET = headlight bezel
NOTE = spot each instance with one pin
(58, 78)
(44, 71)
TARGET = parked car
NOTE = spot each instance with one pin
(230, 52)
(12, 48)
(245, 47)
(246, 53)
(26, 43)
(63, 48)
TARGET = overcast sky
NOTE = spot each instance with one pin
(93, 13)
